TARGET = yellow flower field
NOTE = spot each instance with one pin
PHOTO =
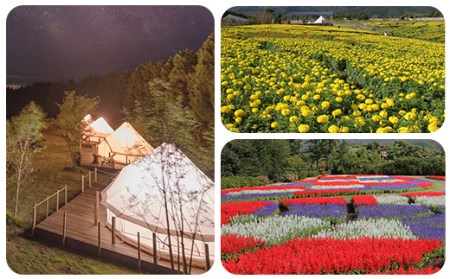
(286, 78)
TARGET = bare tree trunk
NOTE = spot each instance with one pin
(168, 231)
(20, 167)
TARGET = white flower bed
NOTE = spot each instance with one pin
(391, 199)
(430, 201)
(338, 180)
(369, 228)
(329, 187)
(276, 229)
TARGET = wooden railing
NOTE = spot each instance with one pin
(89, 177)
(47, 202)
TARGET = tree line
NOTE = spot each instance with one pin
(289, 160)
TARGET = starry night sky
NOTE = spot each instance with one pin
(57, 43)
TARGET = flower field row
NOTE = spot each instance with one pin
(327, 186)
(400, 233)
(308, 79)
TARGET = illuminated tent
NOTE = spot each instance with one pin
(124, 146)
(136, 199)
(98, 130)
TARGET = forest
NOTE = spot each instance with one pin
(257, 162)
(166, 101)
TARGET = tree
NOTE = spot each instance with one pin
(71, 111)
(23, 132)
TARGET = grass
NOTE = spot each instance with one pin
(26, 256)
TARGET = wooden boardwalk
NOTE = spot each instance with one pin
(82, 235)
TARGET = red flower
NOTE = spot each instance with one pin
(364, 200)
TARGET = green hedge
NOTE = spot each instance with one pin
(242, 181)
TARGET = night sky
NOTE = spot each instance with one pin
(57, 43)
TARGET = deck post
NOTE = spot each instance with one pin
(99, 240)
(90, 182)
(95, 174)
(82, 183)
(57, 200)
(208, 262)
(34, 219)
(46, 212)
(65, 195)
(113, 230)
(139, 249)
(96, 205)
(155, 251)
(64, 233)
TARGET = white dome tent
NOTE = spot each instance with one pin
(124, 146)
(97, 131)
(166, 197)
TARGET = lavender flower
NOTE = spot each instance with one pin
(266, 210)
(427, 227)
(391, 210)
(227, 197)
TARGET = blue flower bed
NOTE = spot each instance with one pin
(391, 210)
(266, 210)
(427, 227)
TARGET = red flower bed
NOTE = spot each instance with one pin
(314, 200)
(261, 188)
(364, 200)
(324, 192)
(425, 184)
(423, 194)
(438, 177)
(232, 243)
(332, 256)
(230, 209)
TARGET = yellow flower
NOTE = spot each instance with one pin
(293, 119)
(239, 113)
(383, 113)
(410, 116)
(255, 110)
(393, 119)
(322, 119)
(338, 99)
(325, 105)
(359, 121)
(404, 130)
(376, 118)
(345, 129)
(238, 119)
(274, 124)
(336, 112)
(333, 129)
(432, 128)
(285, 112)
(316, 97)
(303, 128)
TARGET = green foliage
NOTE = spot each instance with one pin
(71, 111)
(242, 181)
(23, 133)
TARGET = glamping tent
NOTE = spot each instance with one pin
(320, 20)
(124, 146)
(97, 131)
(136, 200)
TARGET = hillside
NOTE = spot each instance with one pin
(374, 12)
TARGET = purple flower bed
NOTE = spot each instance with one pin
(391, 210)
(375, 178)
(226, 197)
(297, 183)
(266, 210)
(318, 210)
(427, 227)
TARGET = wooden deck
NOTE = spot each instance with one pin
(82, 235)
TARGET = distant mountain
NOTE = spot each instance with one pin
(373, 12)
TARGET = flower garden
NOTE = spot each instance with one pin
(349, 224)
(283, 78)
